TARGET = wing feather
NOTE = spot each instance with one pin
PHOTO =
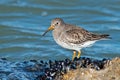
(76, 36)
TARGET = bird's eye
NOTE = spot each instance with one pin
(57, 23)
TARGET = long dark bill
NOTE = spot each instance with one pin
(45, 32)
(50, 28)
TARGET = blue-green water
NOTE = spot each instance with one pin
(23, 21)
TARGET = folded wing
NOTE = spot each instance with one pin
(77, 36)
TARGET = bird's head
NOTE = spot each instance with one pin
(55, 23)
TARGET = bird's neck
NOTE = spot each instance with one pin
(57, 32)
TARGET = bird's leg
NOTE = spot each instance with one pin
(74, 55)
(79, 53)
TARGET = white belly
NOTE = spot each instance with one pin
(76, 47)
(88, 43)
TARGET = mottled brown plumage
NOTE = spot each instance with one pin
(73, 37)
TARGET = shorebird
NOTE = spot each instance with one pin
(73, 37)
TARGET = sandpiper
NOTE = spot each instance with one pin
(72, 37)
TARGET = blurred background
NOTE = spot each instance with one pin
(23, 21)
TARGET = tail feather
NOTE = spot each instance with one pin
(105, 36)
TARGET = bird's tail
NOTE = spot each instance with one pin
(105, 36)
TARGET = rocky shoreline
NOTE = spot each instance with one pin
(79, 69)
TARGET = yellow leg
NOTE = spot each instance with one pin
(74, 55)
(79, 53)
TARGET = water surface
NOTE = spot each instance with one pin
(23, 21)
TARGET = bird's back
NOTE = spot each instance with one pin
(77, 35)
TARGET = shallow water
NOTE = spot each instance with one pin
(23, 21)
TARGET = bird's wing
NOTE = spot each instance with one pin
(77, 36)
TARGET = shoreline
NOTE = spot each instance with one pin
(80, 69)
